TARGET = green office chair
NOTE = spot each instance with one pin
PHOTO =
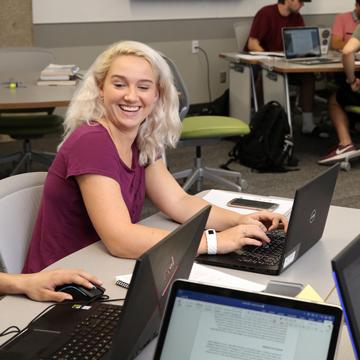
(26, 124)
(199, 131)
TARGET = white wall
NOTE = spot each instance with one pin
(78, 11)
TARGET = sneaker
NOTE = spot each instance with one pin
(338, 153)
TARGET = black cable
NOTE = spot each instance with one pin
(208, 71)
(7, 332)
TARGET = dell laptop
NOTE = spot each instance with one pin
(346, 271)
(208, 322)
(307, 222)
(302, 46)
(105, 331)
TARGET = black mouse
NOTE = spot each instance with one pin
(81, 293)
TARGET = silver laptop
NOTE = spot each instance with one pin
(302, 46)
(208, 322)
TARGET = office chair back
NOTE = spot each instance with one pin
(15, 63)
(184, 101)
(241, 30)
(19, 203)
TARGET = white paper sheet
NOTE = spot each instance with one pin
(204, 274)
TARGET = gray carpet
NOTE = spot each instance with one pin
(308, 150)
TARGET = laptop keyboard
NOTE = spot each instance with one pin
(269, 254)
(92, 337)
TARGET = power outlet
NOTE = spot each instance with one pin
(222, 77)
(195, 46)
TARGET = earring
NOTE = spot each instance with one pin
(102, 99)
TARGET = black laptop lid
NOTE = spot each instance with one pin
(208, 322)
(309, 213)
(301, 42)
(346, 267)
(154, 272)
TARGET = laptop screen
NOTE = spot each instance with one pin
(205, 325)
(346, 267)
(301, 42)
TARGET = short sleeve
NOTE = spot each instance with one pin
(91, 153)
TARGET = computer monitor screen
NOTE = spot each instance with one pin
(301, 42)
(205, 326)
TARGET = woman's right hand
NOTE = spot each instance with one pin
(236, 237)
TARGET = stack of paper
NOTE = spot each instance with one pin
(55, 74)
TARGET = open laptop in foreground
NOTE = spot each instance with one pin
(302, 46)
(346, 270)
(208, 322)
(84, 330)
(307, 222)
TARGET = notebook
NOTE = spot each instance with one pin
(302, 46)
(139, 320)
(346, 270)
(306, 225)
(208, 322)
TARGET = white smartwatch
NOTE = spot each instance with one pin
(211, 241)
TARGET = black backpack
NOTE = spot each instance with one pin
(269, 145)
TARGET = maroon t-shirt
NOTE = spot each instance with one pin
(267, 25)
(63, 225)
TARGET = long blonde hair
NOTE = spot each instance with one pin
(161, 128)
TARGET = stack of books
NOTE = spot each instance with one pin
(55, 74)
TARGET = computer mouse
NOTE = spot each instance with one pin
(81, 293)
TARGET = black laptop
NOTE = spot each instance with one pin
(302, 46)
(208, 322)
(307, 222)
(346, 270)
(105, 331)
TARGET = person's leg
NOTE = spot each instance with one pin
(340, 121)
(339, 118)
(306, 100)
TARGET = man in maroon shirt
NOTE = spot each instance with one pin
(265, 35)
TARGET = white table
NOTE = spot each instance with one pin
(312, 268)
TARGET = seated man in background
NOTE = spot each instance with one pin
(342, 30)
(265, 35)
(41, 286)
(348, 94)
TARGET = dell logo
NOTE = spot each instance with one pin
(312, 216)
(169, 274)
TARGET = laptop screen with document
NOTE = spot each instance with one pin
(203, 322)
(301, 42)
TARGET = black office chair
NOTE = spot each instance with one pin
(26, 124)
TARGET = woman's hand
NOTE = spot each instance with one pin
(267, 220)
(236, 237)
(41, 286)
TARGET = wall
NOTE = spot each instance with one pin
(80, 43)
(70, 11)
(15, 23)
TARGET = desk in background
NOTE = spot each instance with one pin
(241, 85)
(312, 268)
(275, 80)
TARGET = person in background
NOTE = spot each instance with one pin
(342, 30)
(123, 115)
(265, 35)
(41, 286)
(343, 27)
